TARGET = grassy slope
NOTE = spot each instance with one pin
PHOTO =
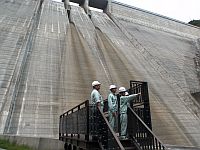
(5, 144)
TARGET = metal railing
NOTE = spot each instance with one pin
(75, 122)
(89, 122)
(107, 136)
(141, 104)
(141, 134)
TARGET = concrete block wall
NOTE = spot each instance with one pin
(153, 20)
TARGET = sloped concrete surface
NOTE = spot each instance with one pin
(15, 36)
(153, 20)
(37, 104)
(157, 50)
(67, 54)
(169, 113)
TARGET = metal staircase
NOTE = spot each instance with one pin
(86, 127)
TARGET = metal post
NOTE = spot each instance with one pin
(78, 121)
(88, 117)
(118, 120)
(147, 115)
(60, 129)
(108, 9)
(67, 5)
(85, 5)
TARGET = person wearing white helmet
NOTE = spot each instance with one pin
(95, 101)
(112, 106)
(96, 98)
(124, 101)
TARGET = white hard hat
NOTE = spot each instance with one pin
(122, 89)
(112, 87)
(94, 83)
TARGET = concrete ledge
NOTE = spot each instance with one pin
(176, 147)
(35, 143)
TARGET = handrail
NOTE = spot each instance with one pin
(88, 120)
(78, 106)
(111, 130)
(156, 142)
(143, 113)
(75, 121)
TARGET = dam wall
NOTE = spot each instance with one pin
(153, 20)
(49, 59)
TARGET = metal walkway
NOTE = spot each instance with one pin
(86, 127)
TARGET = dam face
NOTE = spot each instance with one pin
(48, 60)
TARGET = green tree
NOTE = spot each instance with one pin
(195, 23)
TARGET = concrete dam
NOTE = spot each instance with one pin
(50, 52)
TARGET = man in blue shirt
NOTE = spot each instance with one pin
(112, 106)
(124, 101)
(96, 98)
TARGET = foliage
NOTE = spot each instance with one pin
(5, 144)
(195, 23)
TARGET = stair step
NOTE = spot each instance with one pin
(126, 143)
(130, 148)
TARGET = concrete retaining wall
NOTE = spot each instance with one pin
(35, 143)
(151, 19)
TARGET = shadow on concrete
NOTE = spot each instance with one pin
(196, 96)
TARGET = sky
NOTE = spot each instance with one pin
(183, 10)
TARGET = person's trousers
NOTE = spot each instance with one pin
(123, 122)
(113, 121)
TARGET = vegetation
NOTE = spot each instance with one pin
(5, 144)
(195, 23)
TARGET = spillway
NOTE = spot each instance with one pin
(49, 59)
